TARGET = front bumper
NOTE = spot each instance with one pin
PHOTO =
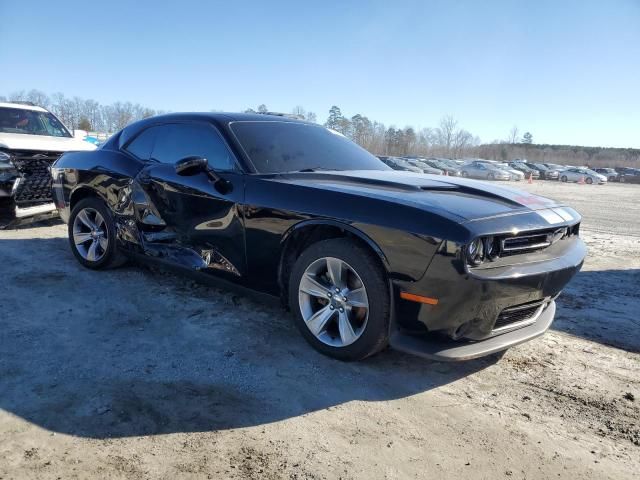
(453, 351)
(472, 304)
(12, 215)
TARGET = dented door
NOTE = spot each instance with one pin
(199, 227)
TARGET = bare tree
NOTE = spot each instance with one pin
(446, 132)
(299, 112)
(513, 135)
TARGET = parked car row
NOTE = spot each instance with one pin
(516, 170)
(432, 165)
(622, 174)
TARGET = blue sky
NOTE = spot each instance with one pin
(568, 71)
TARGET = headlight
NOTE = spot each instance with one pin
(475, 252)
(7, 170)
(490, 248)
(5, 161)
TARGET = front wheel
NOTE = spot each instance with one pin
(92, 235)
(491, 177)
(464, 174)
(589, 180)
(564, 179)
(340, 299)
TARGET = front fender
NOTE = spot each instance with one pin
(341, 225)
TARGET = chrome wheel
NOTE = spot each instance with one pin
(90, 234)
(333, 302)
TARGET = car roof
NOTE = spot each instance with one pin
(22, 106)
(226, 117)
(219, 118)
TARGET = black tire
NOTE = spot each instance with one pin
(375, 335)
(564, 179)
(112, 257)
(589, 180)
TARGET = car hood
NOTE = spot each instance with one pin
(20, 141)
(457, 198)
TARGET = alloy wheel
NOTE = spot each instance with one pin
(90, 234)
(333, 302)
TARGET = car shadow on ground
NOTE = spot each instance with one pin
(133, 352)
(602, 306)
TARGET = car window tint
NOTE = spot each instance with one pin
(275, 146)
(177, 141)
(142, 145)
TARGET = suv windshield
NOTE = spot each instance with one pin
(31, 122)
(277, 147)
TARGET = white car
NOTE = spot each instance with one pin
(31, 139)
(516, 175)
(580, 174)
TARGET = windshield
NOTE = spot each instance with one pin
(31, 122)
(277, 147)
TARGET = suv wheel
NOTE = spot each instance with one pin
(340, 299)
(92, 235)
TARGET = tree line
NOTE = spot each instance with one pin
(448, 139)
(85, 114)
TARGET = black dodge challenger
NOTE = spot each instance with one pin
(364, 256)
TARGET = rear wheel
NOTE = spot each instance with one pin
(340, 299)
(491, 177)
(465, 174)
(563, 178)
(92, 235)
(622, 180)
(589, 180)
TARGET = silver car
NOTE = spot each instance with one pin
(484, 170)
(586, 175)
(516, 175)
(399, 164)
(425, 167)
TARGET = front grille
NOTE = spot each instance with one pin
(34, 184)
(511, 316)
(525, 242)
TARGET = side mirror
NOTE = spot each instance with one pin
(191, 166)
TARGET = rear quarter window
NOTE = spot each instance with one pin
(142, 146)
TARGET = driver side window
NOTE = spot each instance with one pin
(180, 140)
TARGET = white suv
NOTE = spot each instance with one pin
(31, 139)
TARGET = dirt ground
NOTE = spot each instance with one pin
(134, 373)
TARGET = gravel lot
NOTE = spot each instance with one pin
(135, 373)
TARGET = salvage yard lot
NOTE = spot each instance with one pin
(136, 373)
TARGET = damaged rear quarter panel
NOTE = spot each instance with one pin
(105, 173)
